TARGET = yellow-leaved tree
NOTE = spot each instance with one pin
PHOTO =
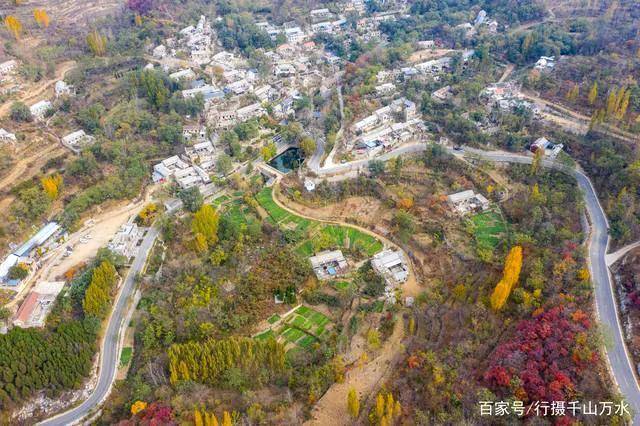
(41, 17)
(137, 407)
(14, 26)
(510, 277)
(205, 222)
(97, 43)
(353, 403)
(593, 93)
(52, 185)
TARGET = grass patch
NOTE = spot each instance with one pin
(341, 285)
(489, 229)
(266, 335)
(273, 319)
(125, 356)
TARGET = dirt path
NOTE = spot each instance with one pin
(331, 409)
(507, 72)
(578, 122)
(366, 379)
(36, 92)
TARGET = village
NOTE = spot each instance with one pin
(235, 93)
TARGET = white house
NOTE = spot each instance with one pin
(125, 242)
(191, 131)
(546, 63)
(328, 264)
(468, 201)
(183, 74)
(190, 177)
(76, 140)
(5, 136)
(294, 35)
(8, 66)
(39, 109)
(392, 266)
(63, 89)
(550, 149)
(250, 111)
(385, 89)
(201, 154)
(167, 167)
(159, 51)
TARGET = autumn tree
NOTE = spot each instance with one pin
(268, 151)
(97, 43)
(14, 26)
(41, 17)
(308, 146)
(386, 411)
(510, 277)
(405, 204)
(147, 214)
(52, 185)
(593, 93)
(208, 362)
(137, 407)
(537, 161)
(205, 222)
(99, 293)
(353, 403)
(573, 93)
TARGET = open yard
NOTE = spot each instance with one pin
(316, 233)
(299, 329)
(489, 229)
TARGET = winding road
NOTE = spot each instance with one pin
(110, 350)
(619, 360)
(618, 357)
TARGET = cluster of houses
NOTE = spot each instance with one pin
(507, 97)
(430, 69)
(386, 127)
(482, 21)
(389, 264)
(185, 175)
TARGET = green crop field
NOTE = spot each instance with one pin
(489, 229)
(300, 329)
(338, 236)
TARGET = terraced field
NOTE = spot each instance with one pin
(333, 236)
(298, 330)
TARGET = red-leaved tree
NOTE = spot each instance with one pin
(141, 7)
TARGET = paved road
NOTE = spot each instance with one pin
(110, 353)
(618, 356)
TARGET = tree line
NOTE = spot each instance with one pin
(208, 362)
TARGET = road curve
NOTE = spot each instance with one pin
(618, 356)
(109, 353)
(619, 359)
